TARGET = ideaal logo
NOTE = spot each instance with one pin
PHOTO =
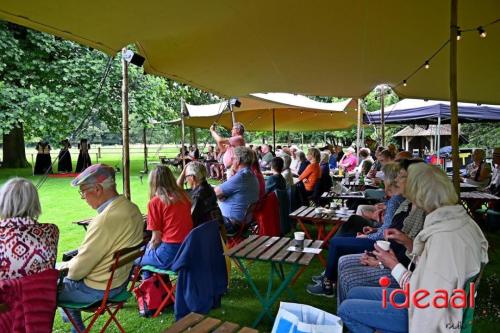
(440, 299)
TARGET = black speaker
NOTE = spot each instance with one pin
(133, 58)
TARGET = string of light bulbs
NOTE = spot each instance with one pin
(481, 30)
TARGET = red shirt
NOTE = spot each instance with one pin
(174, 220)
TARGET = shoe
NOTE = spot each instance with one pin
(318, 279)
(322, 289)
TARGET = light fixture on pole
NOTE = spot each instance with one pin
(133, 58)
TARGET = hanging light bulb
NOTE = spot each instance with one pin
(427, 65)
(404, 83)
(459, 34)
(331, 114)
(482, 32)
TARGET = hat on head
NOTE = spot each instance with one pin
(95, 174)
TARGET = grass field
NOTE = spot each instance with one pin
(61, 205)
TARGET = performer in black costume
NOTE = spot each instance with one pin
(83, 158)
(65, 164)
(43, 161)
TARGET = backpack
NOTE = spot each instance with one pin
(150, 294)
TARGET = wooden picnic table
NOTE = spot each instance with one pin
(307, 216)
(197, 323)
(465, 187)
(475, 200)
(272, 250)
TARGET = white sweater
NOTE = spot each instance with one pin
(450, 250)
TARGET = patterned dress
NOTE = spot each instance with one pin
(26, 247)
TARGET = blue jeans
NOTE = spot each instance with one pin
(340, 246)
(79, 292)
(162, 257)
(362, 312)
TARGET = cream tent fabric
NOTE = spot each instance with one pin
(292, 113)
(327, 47)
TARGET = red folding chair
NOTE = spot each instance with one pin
(108, 304)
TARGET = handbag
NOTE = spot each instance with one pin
(150, 294)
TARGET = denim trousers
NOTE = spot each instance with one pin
(340, 246)
(362, 312)
(161, 257)
(79, 292)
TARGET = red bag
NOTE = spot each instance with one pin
(150, 293)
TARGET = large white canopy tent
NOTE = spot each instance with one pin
(293, 113)
(329, 47)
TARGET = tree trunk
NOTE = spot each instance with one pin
(14, 154)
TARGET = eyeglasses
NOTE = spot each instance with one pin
(83, 191)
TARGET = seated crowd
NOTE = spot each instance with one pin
(434, 244)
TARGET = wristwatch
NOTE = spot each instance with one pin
(381, 265)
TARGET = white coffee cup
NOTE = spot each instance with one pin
(299, 239)
(384, 245)
(318, 210)
(343, 209)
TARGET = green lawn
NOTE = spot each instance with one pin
(62, 205)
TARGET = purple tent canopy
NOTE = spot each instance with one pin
(416, 111)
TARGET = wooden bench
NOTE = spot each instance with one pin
(197, 323)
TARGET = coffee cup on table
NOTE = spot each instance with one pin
(299, 239)
(343, 209)
(384, 245)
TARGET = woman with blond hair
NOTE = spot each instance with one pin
(169, 218)
(449, 250)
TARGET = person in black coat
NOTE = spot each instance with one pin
(43, 163)
(276, 181)
(83, 158)
(65, 163)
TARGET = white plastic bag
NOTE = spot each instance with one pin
(300, 318)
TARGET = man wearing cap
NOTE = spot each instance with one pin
(118, 225)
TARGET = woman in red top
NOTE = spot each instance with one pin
(169, 218)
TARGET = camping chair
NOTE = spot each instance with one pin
(169, 289)
(468, 315)
(109, 305)
(236, 238)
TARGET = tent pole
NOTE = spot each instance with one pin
(125, 127)
(382, 114)
(274, 131)
(183, 134)
(144, 138)
(453, 95)
(358, 132)
(438, 141)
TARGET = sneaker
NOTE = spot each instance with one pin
(322, 289)
(318, 279)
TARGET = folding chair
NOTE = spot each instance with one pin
(468, 314)
(239, 236)
(109, 305)
(170, 290)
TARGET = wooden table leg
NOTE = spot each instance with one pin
(304, 228)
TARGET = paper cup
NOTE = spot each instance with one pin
(384, 245)
(299, 239)
(318, 210)
(343, 210)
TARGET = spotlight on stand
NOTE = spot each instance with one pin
(133, 58)
(235, 102)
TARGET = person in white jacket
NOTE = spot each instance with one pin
(449, 250)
